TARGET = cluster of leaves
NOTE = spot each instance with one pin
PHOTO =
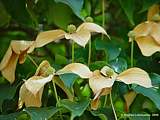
(60, 89)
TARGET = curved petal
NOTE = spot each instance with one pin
(6, 58)
(95, 101)
(97, 82)
(77, 68)
(9, 71)
(153, 10)
(46, 37)
(92, 27)
(143, 29)
(107, 71)
(36, 83)
(135, 76)
(21, 45)
(155, 33)
(44, 69)
(129, 98)
(27, 98)
(147, 45)
(80, 37)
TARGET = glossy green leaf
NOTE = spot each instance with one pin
(68, 79)
(7, 92)
(155, 79)
(76, 108)
(61, 84)
(75, 5)
(41, 113)
(151, 93)
(119, 65)
(128, 7)
(111, 49)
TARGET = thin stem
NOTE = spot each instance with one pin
(73, 51)
(31, 59)
(89, 52)
(113, 107)
(105, 101)
(132, 52)
(103, 16)
(56, 95)
(55, 92)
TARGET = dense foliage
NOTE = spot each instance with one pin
(79, 59)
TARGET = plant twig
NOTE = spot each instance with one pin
(132, 53)
(105, 101)
(103, 16)
(73, 51)
(32, 60)
(89, 52)
(115, 115)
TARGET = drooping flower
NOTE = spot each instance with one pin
(31, 91)
(147, 34)
(16, 52)
(153, 13)
(81, 36)
(101, 81)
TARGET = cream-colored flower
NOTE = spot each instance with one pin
(101, 81)
(16, 51)
(81, 36)
(147, 36)
(31, 91)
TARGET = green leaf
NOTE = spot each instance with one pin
(7, 92)
(57, 17)
(75, 5)
(97, 65)
(111, 49)
(68, 79)
(61, 60)
(60, 83)
(17, 9)
(103, 113)
(41, 113)
(11, 116)
(155, 79)
(128, 7)
(99, 114)
(146, 4)
(151, 93)
(4, 16)
(76, 108)
(119, 65)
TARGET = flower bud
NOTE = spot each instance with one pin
(89, 19)
(131, 34)
(71, 28)
(156, 18)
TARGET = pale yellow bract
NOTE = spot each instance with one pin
(31, 91)
(101, 83)
(81, 36)
(147, 34)
(16, 51)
